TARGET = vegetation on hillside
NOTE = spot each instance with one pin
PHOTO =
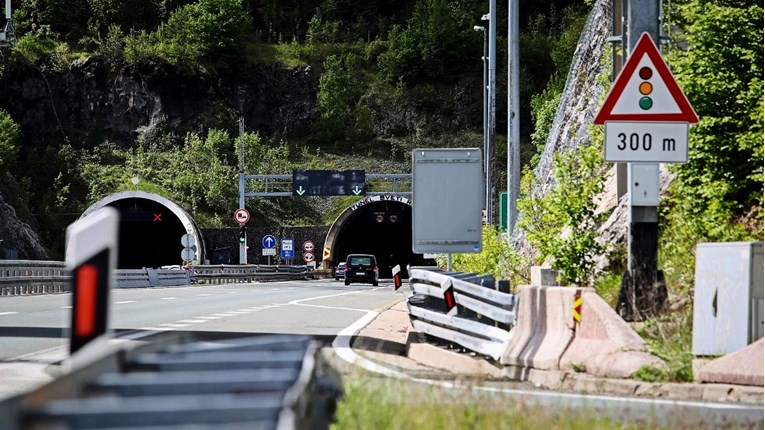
(403, 52)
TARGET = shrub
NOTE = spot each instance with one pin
(562, 224)
(497, 258)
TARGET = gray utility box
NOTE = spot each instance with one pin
(728, 299)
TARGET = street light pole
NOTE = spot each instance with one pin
(484, 91)
(513, 116)
(492, 105)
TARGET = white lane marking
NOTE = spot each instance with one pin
(125, 302)
(175, 325)
(210, 318)
(342, 342)
(8, 313)
(275, 289)
(139, 335)
(66, 307)
(168, 298)
(232, 313)
(221, 315)
(195, 321)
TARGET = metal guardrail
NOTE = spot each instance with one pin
(222, 274)
(484, 314)
(27, 277)
(20, 277)
(268, 382)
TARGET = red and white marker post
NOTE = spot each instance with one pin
(91, 256)
(449, 299)
(397, 276)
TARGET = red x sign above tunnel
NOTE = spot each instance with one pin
(158, 217)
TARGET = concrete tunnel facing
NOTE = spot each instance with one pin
(380, 225)
(151, 227)
(150, 230)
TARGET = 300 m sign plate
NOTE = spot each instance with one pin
(648, 142)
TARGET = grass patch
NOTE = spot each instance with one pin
(670, 338)
(376, 403)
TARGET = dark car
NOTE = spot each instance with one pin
(340, 271)
(361, 268)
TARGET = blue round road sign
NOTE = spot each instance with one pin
(269, 241)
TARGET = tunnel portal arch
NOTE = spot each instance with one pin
(379, 225)
(150, 230)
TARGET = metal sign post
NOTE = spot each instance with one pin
(646, 116)
(241, 216)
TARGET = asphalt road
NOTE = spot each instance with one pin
(34, 329)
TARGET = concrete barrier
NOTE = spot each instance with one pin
(743, 367)
(546, 337)
(605, 345)
(544, 327)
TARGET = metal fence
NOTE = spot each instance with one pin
(270, 382)
(484, 313)
(22, 277)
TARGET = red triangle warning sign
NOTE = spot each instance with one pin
(646, 91)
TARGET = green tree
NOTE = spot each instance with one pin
(343, 114)
(721, 72)
(437, 44)
(10, 139)
(204, 30)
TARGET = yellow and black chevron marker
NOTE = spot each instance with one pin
(577, 308)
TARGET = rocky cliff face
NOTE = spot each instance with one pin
(90, 103)
(578, 106)
(17, 239)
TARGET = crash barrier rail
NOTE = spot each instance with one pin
(136, 278)
(27, 277)
(224, 274)
(19, 277)
(267, 382)
(485, 310)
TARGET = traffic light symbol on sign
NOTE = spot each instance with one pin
(646, 88)
(242, 234)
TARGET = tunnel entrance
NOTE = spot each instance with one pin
(380, 225)
(150, 230)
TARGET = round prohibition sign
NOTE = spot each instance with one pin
(241, 216)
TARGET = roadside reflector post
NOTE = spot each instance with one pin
(449, 299)
(91, 256)
(397, 276)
